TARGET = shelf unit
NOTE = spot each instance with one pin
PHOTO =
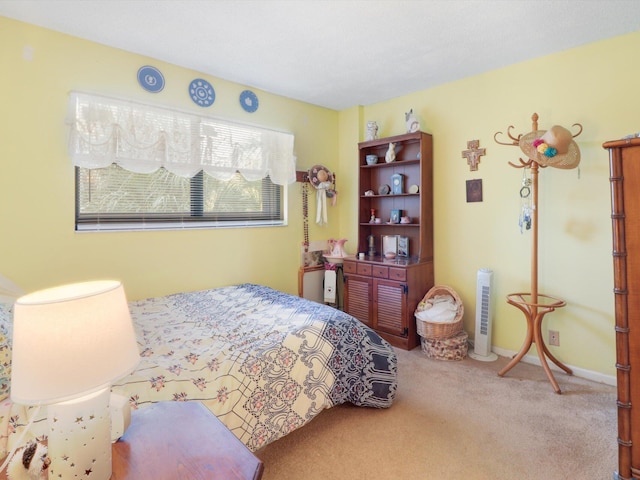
(414, 163)
(383, 293)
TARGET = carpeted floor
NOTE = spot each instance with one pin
(459, 420)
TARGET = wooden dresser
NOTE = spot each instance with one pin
(624, 165)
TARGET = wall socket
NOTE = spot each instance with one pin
(554, 338)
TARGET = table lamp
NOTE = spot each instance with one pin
(70, 343)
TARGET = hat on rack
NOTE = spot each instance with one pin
(553, 148)
(319, 176)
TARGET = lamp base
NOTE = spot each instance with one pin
(80, 437)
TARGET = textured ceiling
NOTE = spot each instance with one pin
(336, 53)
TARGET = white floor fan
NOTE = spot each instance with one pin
(484, 317)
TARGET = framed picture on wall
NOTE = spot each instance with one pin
(403, 246)
(474, 190)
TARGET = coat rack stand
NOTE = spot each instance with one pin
(534, 305)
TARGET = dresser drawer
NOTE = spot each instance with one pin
(350, 267)
(399, 274)
(380, 271)
(364, 269)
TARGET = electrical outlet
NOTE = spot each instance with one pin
(554, 338)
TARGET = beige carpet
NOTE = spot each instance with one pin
(459, 420)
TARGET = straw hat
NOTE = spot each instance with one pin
(319, 175)
(554, 148)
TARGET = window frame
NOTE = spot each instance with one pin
(196, 219)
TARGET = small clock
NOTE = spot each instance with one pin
(397, 184)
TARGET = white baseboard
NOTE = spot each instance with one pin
(577, 371)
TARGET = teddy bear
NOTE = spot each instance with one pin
(29, 462)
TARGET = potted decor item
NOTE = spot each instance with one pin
(371, 159)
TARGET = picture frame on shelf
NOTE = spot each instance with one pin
(395, 216)
(403, 246)
(389, 244)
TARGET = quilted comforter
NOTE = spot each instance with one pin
(264, 362)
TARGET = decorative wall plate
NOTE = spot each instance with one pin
(249, 101)
(414, 189)
(384, 190)
(202, 93)
(150, 79)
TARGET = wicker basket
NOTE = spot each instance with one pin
(434, 329)
(454, 348)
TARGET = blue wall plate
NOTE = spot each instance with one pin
(150, 79)
(202, 93)
(249, 101)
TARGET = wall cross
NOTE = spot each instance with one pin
(473, 154)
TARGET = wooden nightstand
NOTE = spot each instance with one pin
(181, 440)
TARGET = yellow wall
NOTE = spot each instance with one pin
(39, 247)
(593, 85)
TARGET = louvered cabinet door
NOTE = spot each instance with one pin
(390, 307)
(358, 298)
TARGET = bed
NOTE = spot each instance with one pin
(264, 362)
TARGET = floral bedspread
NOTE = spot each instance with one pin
(264, 362)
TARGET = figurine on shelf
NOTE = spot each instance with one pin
(373, 216)
(390, 156)
(411, 121)
(372, 131)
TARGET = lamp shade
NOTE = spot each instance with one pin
(71, 340)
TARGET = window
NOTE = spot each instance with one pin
(113, 198)
(144, 166)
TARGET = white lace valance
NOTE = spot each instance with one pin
(142, 138)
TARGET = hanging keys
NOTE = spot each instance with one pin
(525, 191)
(525, 202)
(526, 212)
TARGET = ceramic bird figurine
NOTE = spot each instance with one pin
(390, 156)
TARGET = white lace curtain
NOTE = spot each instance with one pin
(142, 138)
